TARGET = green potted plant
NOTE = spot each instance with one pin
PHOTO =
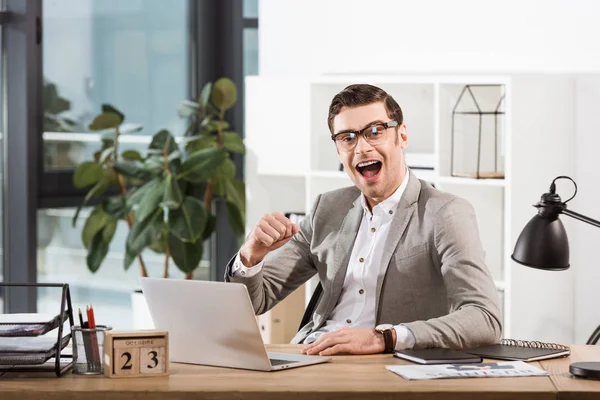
(166, 196)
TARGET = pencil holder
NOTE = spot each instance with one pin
(88, 348)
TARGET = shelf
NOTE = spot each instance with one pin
(473, 182)
(29, 324)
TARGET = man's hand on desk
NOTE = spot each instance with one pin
(270, 233)
(349, 341)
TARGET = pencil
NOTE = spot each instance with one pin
(91, 318)
(80, 317)
(94, 339)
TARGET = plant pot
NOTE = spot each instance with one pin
(141, 314)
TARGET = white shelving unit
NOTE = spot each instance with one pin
(291, 158)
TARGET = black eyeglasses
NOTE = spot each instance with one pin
(374, 134)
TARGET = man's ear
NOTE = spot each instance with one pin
(402, 136)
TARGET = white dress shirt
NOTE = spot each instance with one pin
(356, 305)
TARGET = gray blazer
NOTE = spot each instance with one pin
(433, 278)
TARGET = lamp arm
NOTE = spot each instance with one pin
(580, 217)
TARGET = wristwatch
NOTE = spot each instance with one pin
(388, 337)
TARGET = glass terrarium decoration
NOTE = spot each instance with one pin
(477, 132)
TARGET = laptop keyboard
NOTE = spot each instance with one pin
(275, 362)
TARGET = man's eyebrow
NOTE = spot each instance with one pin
(377, 121)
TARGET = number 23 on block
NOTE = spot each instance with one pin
(136, 354)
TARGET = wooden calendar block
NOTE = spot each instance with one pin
(126, 359)
(152, 360)
(136, 354)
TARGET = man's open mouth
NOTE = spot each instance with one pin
(369, 169)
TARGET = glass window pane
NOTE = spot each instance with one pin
(250, 8)
(250, 51)
(131, 54)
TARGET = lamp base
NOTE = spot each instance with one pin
(588, 370)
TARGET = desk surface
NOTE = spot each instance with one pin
(343, 378)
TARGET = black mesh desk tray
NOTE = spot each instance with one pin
(29, 341)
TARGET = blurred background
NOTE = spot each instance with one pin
(529, 69)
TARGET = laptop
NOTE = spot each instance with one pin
(213, 323)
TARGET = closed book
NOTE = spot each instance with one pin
(437, 356)
(521, 350)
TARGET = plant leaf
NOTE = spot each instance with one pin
(134, 169)
(97, 252)
(149, 200)
(126, 129)
(129, 257)
(144, 232)
(117, 207)
(233, 142)
(187, 256)
(225, 172)
(160, 245)
(87, 173)
(96, 191)
(201, 164)
(155, 165)
(205, 94)
(172, 196)
(107, 108)
(187, 108)
(200, 142)
(131, 155)
(106, 120)
(188, 221)
(96, 221)
(159, 141)
(211, 225)
(236, 219)
(109, 230)
(235, 193)
(106, 154)
(224, 93)
(213, 126)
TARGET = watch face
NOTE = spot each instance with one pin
(384, 327)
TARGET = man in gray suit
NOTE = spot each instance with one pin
(401, 263)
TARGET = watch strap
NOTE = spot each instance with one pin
(388, 338)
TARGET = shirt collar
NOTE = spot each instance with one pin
(388, 204)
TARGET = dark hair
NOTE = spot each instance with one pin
(360, 95)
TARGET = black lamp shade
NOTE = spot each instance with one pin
(543, 244)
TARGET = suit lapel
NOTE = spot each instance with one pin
(343, 249)
(404, 213)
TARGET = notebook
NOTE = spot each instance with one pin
(521, 350)
(437, 356)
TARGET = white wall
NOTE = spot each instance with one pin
(586, 239)
(543, 119)
(357, 36)
(554, 125)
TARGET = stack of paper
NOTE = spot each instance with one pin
(480, 370)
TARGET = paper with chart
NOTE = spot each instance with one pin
(481, 370)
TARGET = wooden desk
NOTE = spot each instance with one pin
(567, 386)
(346, 377)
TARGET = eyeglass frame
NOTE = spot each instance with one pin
(386, 125)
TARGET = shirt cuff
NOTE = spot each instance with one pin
(404, 338)
(239, 270)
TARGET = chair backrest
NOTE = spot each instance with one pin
(312, 304)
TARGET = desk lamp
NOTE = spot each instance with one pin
(543, 244)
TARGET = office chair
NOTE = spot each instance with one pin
(312, 304)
